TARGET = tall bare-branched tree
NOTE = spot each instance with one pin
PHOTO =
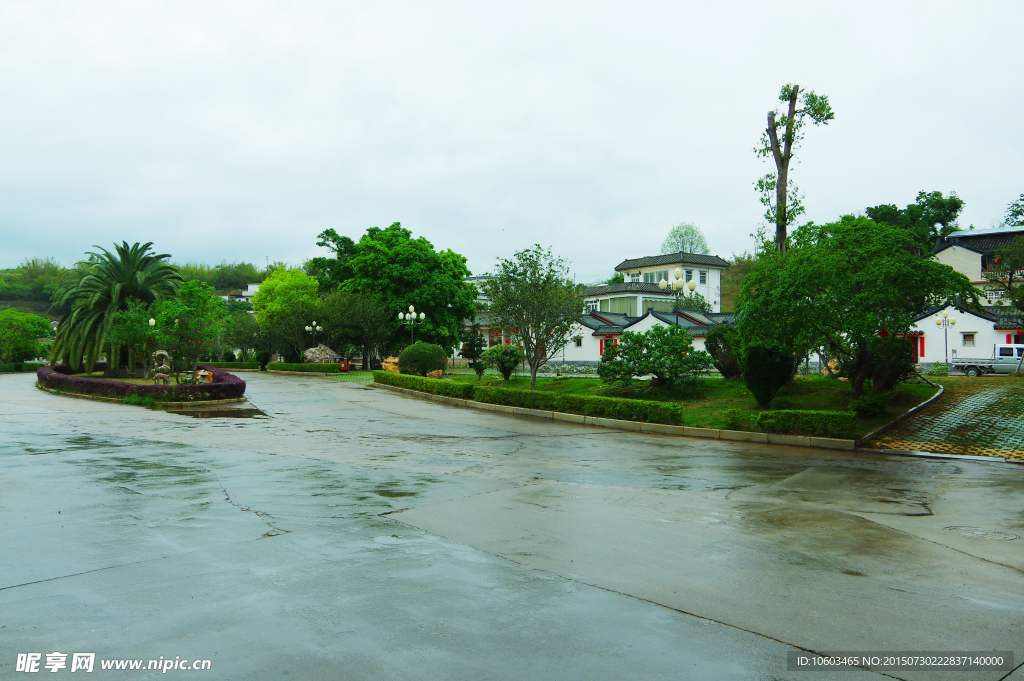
(780, 141)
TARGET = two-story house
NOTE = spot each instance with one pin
(641, 291)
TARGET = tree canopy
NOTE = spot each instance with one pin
(931, 218)
(843, 285)
(400, 271)
(532, 295)
(100, 286)
(283, 292)
(20, 333)
(685, 237)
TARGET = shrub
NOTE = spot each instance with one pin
(428, 385)
(587, 405)
(420, 359)
(504, 358)
(665, 352)
(724, 345)
(767, 367)
(224, 386)
(263, 358)
(234, 365)
(818, 423)
(938, 369)
(305, 367)
(228, 356)
(871, 404)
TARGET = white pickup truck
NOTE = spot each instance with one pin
(1005, 360)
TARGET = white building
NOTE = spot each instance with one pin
(640, 290)
(973, 334)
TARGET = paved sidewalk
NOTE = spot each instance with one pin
(985, 422)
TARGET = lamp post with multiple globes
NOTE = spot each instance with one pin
(945, 322)
(314, 329)
(411, 319)
(677, 286)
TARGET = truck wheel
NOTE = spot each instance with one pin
(973, 372)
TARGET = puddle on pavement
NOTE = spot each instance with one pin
(219, 413)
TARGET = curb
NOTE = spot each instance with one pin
(903, 417)
(158, 405)
(637, 426)
(936, 455)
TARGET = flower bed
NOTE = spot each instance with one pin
(224, 386)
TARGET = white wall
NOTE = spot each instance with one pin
(986, 336)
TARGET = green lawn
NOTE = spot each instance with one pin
(706, 405)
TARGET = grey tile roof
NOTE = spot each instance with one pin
(981, 240)
(938, 308)
(672, 259)
(625, 287)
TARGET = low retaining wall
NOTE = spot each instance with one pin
(688, 431)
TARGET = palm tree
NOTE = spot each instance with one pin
(99, 287)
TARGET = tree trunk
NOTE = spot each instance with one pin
(782, 154)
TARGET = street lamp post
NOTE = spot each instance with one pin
(945, 322)
(411, 319)
(314, 329)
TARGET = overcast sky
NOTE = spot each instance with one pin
(240, 130)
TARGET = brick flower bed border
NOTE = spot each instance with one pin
(225, 387)
(158, 405)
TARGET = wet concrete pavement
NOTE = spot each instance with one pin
(356, 533)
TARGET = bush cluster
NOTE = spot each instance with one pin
(308, 367)
(428, 385)
(421, 359)
(234, 365)
(799, 422)
(767, 366)
(224, 386)
(587, 405)
(20, 366)
(871, 404)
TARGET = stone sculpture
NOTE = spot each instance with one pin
(161, 373)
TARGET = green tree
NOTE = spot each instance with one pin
(100, 286)
(20, 333)
(244, 334)
(190, 323)
(685, 237)
(725, 346)
(532, 295)
(767, 367)
(505, 359)
(732, 279)
(616, 278)
(930, 219)
(779, 194)
(400, 271)
(666, 352)
(694, 301)
(473, 346)
(840, 286)
(281, 293)
(1015, 213)
(332, 272)
(130, 329)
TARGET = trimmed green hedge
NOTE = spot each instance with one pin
(587, 405)
(434, 386)
(19, 366)
(818, 423)
(312, 368)
(233, 365)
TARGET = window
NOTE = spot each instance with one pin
(655, 277)
(635, 276)
(592, 305)
(968, 340)
(659, 304)
(703, 277)
(994, 295)
(579, 341)
(625, 305)
(689, 275)
(1006, 352)
(604, 305)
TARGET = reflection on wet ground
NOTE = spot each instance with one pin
(238, 413)
(388, 537)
